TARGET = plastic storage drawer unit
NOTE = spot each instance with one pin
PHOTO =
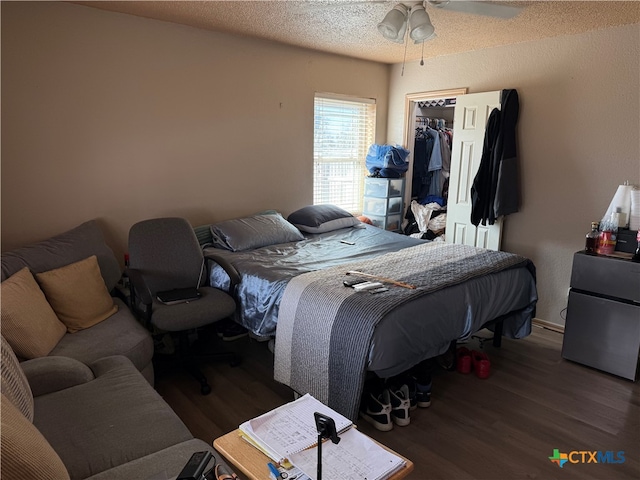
(382, 206)
(383, 187)
(390, 222)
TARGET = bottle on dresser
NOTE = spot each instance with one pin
(608, 232)
(591, 240)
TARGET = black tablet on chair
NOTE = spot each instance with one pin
(178, 295)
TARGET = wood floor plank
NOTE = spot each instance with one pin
(504, 427)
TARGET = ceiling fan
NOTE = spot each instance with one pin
(412, 16)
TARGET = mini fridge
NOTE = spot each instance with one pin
(602, 328)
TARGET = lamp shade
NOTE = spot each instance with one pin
(433, 35)
(420, 27)
(393, 26)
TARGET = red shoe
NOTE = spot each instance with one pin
(463, 360)
(481, 364)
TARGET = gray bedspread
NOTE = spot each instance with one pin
(325, 330)
(266, 271)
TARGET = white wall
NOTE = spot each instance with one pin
(121, 118)
(579, 136)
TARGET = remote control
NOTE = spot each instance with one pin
(379, 290)
(195, 467)
(352, 283)
(367, 286)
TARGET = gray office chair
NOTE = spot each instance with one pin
(164, 255)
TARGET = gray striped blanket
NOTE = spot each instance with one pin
(324, 330)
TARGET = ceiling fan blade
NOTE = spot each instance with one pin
(478, 8)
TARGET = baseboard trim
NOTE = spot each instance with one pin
(548, 325)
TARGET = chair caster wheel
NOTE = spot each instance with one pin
(205, 389)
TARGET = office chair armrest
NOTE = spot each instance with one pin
(140, 286)
(140, 294)
(234, 276)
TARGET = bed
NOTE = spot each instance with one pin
(310, 355)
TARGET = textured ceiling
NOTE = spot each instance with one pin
(349, 27)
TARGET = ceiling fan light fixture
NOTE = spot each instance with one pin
(394, 24)
(431, 37)
(420, 27)
(401, 33)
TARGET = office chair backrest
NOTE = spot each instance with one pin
(167, 253)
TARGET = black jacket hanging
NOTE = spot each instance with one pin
(495, 190)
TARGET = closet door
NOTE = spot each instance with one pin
(471, 114)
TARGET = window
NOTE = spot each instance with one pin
(344, 129)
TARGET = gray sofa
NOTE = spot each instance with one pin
(88, 409)
(121, 333)
(101, 421)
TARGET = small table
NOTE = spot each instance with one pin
(253, 463)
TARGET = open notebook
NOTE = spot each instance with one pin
(288, 434)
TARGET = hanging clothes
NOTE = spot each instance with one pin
(423, 147)
(495, 190)
(431, 160)
(435, 164)
(507, 197)
(445, 148)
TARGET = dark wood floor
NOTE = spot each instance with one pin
(504, 427)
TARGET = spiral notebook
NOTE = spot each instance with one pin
(355, 457)
(288, 435)
(290, 428)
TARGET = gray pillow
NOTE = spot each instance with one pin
(322, 218)
(63, 249)
(205, 238)
(254, 232)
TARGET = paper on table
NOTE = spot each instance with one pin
(355, 457)
(291, 427)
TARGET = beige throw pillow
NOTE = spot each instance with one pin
(25, 453)
(29, 323)
(78, 294)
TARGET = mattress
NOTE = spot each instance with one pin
(405, 336)
(266, 271)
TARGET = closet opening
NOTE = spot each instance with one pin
(429, 138)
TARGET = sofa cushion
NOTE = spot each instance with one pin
(104, 423)
(63, 249)
(29, 323)
(120, 334)
(13, 382)
(25, 453)
(78, 294)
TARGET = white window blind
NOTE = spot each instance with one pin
(344, 129)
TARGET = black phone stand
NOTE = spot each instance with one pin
(326, 429)
(195, 467)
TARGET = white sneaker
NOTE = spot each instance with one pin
(400, 406)
(377, 411)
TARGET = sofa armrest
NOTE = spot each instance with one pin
(54, 373)
(108, 364)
